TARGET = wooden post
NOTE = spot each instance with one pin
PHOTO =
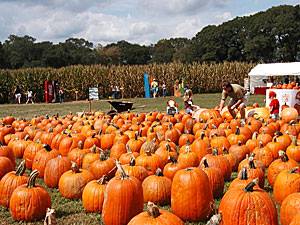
(76, 95)
(90, 105)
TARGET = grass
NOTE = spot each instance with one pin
(71, 212)
(140, 105)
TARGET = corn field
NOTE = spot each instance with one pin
(200, 77)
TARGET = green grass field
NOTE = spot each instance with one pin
(140, 105)
(71, 212)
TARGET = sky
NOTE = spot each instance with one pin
(107, 21)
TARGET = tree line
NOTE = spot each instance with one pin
(270, 36)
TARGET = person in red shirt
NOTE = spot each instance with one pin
(274, 105)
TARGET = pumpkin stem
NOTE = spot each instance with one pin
(294, 170)
(47, 147)
(136, 135)
(251, 162)
(168, 147)
(102, 156)
(74, 167)
(32, 178)
(225, 150)
(294, 141)
(187, 149)
(237, 132)
(26, 138)
(123, 173)
(152, 210)
(283, 156)
(250, 186)
(240, 143)
(254, 136)
(132, 161)
(159, 172)
(128, 149)
(102, 180)
(21, 168)
(215, 151)
(172, 159)
(80, 144)
(202, 135)
(261, 144)
(205, 163)
(93, 149)
(244, 174)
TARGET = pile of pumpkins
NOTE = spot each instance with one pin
(291, 85)
(116, 164)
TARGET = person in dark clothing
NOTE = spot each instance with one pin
(61, 95)
(18, 95)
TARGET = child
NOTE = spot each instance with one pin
(171, 107)
(164, 89)
(188, 102)
(154, 87)
(274, 105)
(29, 97)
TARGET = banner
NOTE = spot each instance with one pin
(93, 93)
(146, 85)
(289, 97)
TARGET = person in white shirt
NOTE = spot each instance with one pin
(29, 97)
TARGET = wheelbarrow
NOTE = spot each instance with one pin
(121, 106)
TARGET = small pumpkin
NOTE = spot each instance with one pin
(6, 166)
(171, 168)
(157, 188)
(104, 166)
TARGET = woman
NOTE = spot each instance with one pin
(176, 89)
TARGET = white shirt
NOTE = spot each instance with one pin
(29, 94)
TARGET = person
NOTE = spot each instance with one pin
(176, 89)
(164, 90)
(113, 91)
(172, 107)
(181, 87)
(117, 91)
(274, 105)
(297, 81)
(18, 95)
(188, 102)
(154, 87)
(29, 97)
(270, 82)
(286, 80)
(238, 99)
(61, 95)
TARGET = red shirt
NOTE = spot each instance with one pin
(275, 106)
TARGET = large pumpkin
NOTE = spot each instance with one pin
(191, 195)
(286, 183)
(290, 207)
(104, 166)
(30, 153)
(54, 169)
(124, 199)
(93, 195)
(249, 205)
(154, 216)
(289, 114)
(29, 202)
(72, 182)
(10, 182)
(279, 165)
(157, 188)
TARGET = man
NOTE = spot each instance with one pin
(238, 99)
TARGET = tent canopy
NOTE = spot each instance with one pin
(261, 72)
(276, 69)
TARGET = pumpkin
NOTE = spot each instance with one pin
(218, 161)
(279, 165)
(172, 134)
(171, 168)
(289, 114)
(286, 183)
(138, 172)
(72, 182)
(164, 152)
(77, 154)
(216, 179)
(188, 158)
(290, 207)
(252, 143)
(191, 195)
(200, 147)
(54, 169)
(93, 195)
(90, 157)
(29, 202)
(232, 159)
(42, 157)
(135, 143)
(7, 152)
(239, 150)
(10, 182)
(91, 141)
(235, 206)
(5, 166)
(157, 188)
(117, 150)
(126, 157)
(103, 166)
(154, 216)
(263, 154)
(19, 146)
(107, 141)
(220, 143)
(124, 199)
(293, 151)
(30, 153)
(234, 139)
(295, 220)
(150, 161)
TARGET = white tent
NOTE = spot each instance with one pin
(263, 71)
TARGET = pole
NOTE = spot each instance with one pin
(90, 105)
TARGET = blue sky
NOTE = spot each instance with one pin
(106, 21)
